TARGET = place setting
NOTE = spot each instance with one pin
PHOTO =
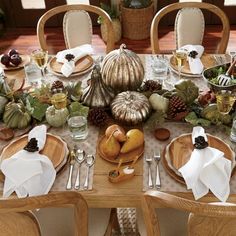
(72, 62)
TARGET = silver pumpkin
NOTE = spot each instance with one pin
(122, 70)
(130, 107)
(97, 94)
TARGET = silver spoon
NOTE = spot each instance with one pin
(79, 156)
(90, 159)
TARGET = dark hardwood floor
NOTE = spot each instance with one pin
(25, 39)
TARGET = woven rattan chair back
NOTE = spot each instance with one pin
(75, 36)
(16, 218)
(222, 45)
(64, 8)
(204, 219)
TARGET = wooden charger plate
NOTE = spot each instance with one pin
(127, 157)
(55, 149)
(81, 65)
(206, 59)
(178, 153)
(25, 61)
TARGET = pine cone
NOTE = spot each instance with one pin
(32, 145)
(57, 86)
(97, 116)
(151, 85)
(177, 108)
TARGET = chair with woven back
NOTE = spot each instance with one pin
(16, 217)
(190, 25)
(73, 13)
(204, 218)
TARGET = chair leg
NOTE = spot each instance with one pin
(113, 223)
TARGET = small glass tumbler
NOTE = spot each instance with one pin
(59, 100)
(33, 75)
(78, 127)
(159, 69)
(233, 131)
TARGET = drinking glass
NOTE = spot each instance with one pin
(40, 58)
(225, 100)
(159, 68)
(181, 58)
(78, 127)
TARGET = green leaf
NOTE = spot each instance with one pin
(155, 119)
(77, 108)
(36, 108)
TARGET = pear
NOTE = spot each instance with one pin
(118, 132)
(110, 146)
(135, 138)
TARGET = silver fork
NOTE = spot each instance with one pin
(149, 162)
(157, 158)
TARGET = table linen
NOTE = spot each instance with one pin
(207, 170)
(29, 173)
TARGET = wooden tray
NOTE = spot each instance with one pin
(127, 157)
(55, 149)
(25, 61)
(178, 153)
(81, 65)
(207, 61)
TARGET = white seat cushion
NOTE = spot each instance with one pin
(189, 27)
(59, 221)
(172, 222)
(77, 28)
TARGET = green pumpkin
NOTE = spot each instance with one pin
(56, 117)
(16, 115)
(3, 102)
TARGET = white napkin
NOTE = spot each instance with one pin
(207, 169)
(78, 52)
(195, 64)
(29, 173)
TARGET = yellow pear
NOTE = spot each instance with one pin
(118, 132)
(135, 138)
(110, 146)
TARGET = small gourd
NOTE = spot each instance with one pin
(16, 115)
(56, 117)
(97, 94)
(122, 70)
(130, 107)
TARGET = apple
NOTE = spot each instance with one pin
(5, 60)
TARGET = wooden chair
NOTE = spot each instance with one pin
(75, 36)
(177, 6)
(204, 218)
(64, 8)
(16, 218)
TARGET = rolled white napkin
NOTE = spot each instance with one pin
(29, 173)
(78, 52)
(195, 64)
(207, 169)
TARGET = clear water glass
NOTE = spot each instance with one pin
(78, 127)
(159, 69)
(233, 131)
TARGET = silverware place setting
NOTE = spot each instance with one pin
(72, 163)
(157, 158)
(89, 161)
(148, 160)
(80, 157)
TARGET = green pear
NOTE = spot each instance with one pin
(110, 146)
(135, 138)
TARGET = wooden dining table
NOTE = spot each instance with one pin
(105, 194)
